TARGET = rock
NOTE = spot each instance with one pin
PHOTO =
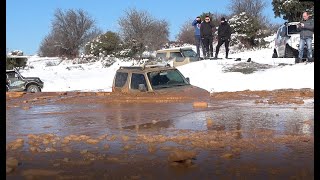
(15, 94)
(12, 162)
(56, 164)
(8, 169)
(209, 122)
(112, 138)
(92, 141)
(106, 146)
(309, 122)
(126, 147)
(84, 137)
(84, 151)
(125, 138)
(227, 156)
(25, 107)
(181, 155)
(154, 121)
(66, 159)
(25, 101)
(67, 149)
(48, 149)
(102, 137)
(200, 104)
(33, 149)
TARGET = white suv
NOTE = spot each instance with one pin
(287, 42)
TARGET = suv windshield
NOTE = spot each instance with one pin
(166, 78)
(188, 53)
(292, 29)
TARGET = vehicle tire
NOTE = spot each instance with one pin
(33, 88)
(288, 53)
(274, 55)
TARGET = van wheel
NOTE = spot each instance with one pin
(288, 53)
(274, 55)
(33, 88)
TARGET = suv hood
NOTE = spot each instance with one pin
(36, 79)
(188, 91)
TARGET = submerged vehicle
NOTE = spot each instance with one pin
(154, 79)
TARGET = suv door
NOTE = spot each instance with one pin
(120, 81)
(137, 81)
(282, 43)
(15, 82)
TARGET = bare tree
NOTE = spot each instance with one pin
(144, 30)
(186, 34)
(70, 31)
(251, 7)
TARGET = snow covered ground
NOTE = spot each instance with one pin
(208, 74)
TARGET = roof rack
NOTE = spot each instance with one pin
(145, 66)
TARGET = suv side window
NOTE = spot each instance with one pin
(11, 75)
(161, 55)
(137, 79)
(175, 54)
(121, 79)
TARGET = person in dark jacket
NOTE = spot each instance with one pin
(206, 33)
(196, 24)
(224, 35)
(306, 28)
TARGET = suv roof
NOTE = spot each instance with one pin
(173, 49)
(145, 68)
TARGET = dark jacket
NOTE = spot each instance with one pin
(196, 26)
(206, 29)
(307, 30)
(224, 31)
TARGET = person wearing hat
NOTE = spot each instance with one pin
(224, 35)
(196, 24)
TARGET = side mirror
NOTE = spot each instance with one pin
(188, 79)
(16, 75)
(142, 87)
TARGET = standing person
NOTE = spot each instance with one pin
(206, 33)
(196, 24)
(224, 35)
(306, 27)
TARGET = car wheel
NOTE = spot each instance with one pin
(274, 55)
(33, 88)
(288, 53)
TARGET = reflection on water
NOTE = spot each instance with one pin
(160, 116)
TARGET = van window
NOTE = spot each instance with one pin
(292, 29)
(283, 31)
(121, 79)
(175, 54)
(137, 79)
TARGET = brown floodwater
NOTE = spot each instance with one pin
(249, 135)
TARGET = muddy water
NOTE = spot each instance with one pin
(122, 140)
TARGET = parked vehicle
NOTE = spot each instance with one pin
(16, 82)
(179, 56)
(287, 42)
